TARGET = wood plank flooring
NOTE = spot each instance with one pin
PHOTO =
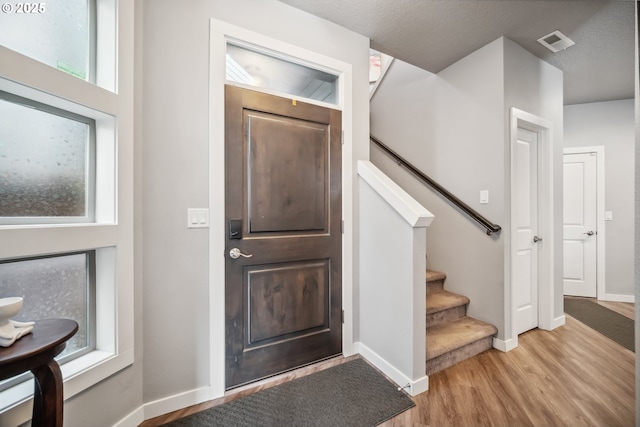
(572, 376)
(624, 308)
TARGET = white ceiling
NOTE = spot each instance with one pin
(433, 34)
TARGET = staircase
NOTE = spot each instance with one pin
(452, 336)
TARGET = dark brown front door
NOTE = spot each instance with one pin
(283, 209)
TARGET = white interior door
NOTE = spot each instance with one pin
(580, 234)
(525, 273)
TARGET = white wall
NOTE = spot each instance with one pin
(636, 198)
(536, 87)
(612, 125)
(454, 126)
(451, 127)
(176, 169)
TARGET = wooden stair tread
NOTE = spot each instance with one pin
(448, 337)
(451, 335)
(433, 275)
(444, 300)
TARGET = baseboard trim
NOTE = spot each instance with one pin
(619, 298)
(193, 397)
(413, 387)
(134, 419)
(558, 321)
(166, 405)
(505, 345)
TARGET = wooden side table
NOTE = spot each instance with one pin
(35, 352)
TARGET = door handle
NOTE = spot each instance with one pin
(236, 253)
(589, 233)
(537, 239)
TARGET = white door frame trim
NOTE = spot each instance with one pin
(544, 129)
(220, 32)
(601, 289)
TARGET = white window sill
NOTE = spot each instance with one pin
(77, 375)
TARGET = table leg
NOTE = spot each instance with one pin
(48, 397)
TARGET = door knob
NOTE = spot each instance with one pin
(589, 233)
(537, 239)
(236, 253)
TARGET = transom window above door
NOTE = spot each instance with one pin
(264, 71)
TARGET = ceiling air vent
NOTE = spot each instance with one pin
(556, 41)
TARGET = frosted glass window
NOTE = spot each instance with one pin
(45, 164)
(54, 287)
(267, 72)
(56, 32)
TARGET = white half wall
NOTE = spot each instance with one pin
(392, 270)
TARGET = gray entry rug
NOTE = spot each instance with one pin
(609, 323)
(350, 394)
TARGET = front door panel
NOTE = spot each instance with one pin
(287, 301)
(283, 177)
(288, 175)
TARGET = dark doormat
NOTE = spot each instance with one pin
(609, 323)
(350, 394)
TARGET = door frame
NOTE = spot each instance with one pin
(220, 33)
(600, 206)
(544, 129)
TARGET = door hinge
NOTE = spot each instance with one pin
(342, 137)
(342, 316)
(342, 226)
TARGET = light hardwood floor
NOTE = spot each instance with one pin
(572, 376)
(624, 308)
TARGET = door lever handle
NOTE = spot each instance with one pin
(537, 239)
(236, 253)
(589, 233)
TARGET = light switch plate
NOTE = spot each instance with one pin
(484, 197)
(197, 218)
(608, 216)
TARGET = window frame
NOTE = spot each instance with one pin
(279, 56)
(90, 64)
(288, 65)
(91, 314)
(110, 102)
(90, 165)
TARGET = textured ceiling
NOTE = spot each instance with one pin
(433, 34)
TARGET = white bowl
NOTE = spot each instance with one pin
(9, 307)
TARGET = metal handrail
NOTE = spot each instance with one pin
(488, 225)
